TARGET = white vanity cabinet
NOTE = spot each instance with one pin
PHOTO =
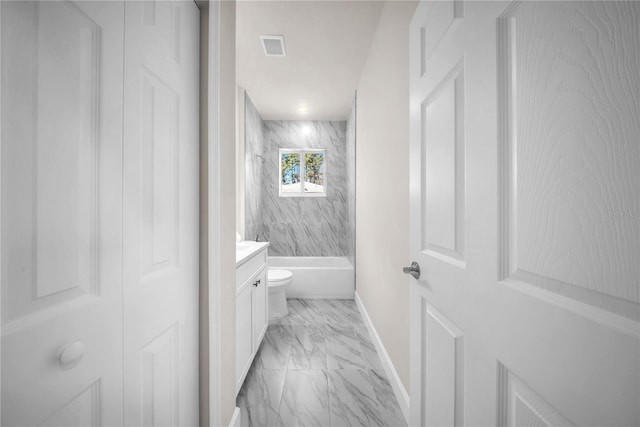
(252, 314)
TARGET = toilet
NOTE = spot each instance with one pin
(278, 281)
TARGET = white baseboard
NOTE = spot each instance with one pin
(390, 370)
(235, 418)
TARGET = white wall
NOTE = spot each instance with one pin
(218, 216)
(382, 183)
(204, 214)
(228, 206)
(240, 161)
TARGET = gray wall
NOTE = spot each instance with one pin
(296, 226)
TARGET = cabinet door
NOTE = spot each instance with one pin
(244, 340)
(260, 312)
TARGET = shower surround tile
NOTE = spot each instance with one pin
(297, 226)
(254, 164)
(305, 226)
(320, 368)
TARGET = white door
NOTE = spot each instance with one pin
(61, 213)
(161, 213)
(525, 166)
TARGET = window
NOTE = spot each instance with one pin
(302, 173)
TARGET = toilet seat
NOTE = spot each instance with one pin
(274, 276)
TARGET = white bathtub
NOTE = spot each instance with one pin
(317, 277)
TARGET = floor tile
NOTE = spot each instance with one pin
(308, 350)
(369, 353)
(341, 311)
(352, 399)
(367, 348)
(318, 366)
(303, 312)
(259, 398)
(305, 399)
(343, 348)
(387, 403)
(275, 349)
(363, 333)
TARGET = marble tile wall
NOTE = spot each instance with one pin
(304, 226)
(300, 226)
(351, 182)
(255, 160)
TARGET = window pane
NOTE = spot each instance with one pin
(290, 173)
(314, 172)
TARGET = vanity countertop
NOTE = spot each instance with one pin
(246, 249)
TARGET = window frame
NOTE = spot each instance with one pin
(301, 153)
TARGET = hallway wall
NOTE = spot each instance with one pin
(382, 177)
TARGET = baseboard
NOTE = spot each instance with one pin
(307, 295)
(235, 418)
(390, 370)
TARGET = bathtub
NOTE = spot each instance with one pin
(317, 277)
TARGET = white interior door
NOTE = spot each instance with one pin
(525, 213)
(61, 228)
(161, 213)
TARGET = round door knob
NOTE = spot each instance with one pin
(70, 355)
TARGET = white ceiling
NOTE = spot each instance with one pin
(326, 42)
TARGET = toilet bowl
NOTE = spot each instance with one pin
(278, 281)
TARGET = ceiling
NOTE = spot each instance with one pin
(326, 43)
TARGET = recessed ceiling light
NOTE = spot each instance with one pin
(303, 109)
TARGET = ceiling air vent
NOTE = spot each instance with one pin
(273, 45)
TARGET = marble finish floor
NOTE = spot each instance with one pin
(318, 367)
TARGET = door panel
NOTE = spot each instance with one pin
(443, 356)
(158, 176)
(443, 150)
(161, 213)
(160, 375)
(537, 315)
(61, 212)
(572, 235)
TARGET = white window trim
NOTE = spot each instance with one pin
(301, 152)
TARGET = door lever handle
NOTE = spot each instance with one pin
(414, 270)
